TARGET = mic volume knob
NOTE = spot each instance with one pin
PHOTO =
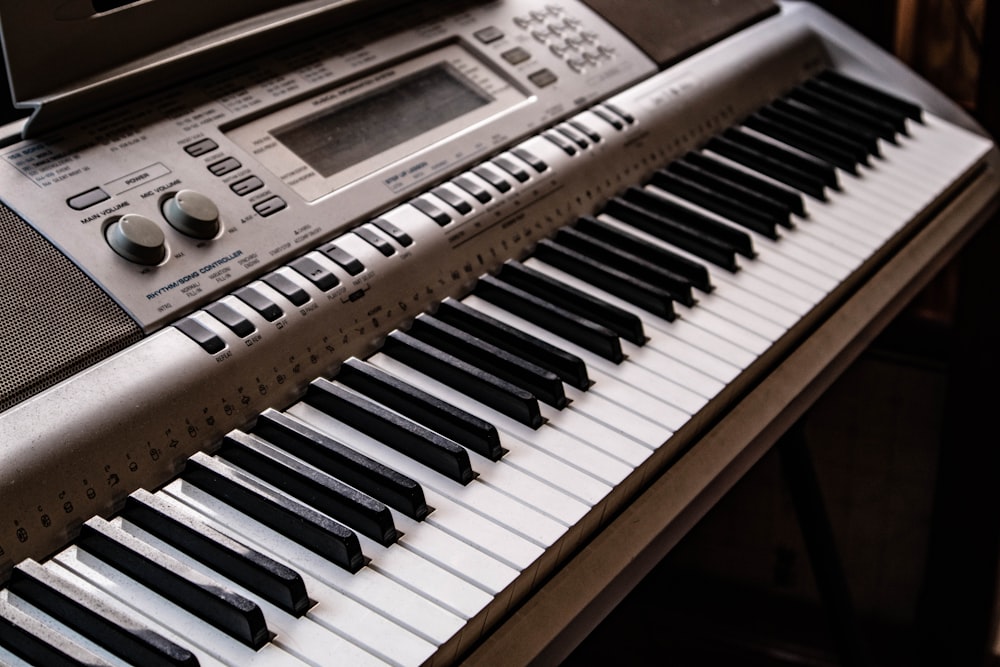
(193, 214)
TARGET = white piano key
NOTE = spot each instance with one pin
(374, 612)
(735, 308)
(735, 334)
(552, 471)
(856, 244)
(427, 579)
(97, 577)
(774, 312)
(456, 556)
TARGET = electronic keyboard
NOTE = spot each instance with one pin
(415, 351)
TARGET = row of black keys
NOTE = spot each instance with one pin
(477, 355)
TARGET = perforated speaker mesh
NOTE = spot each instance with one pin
(54, 321)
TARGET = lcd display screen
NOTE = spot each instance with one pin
(344, 135)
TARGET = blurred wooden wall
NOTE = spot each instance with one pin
(942, 39)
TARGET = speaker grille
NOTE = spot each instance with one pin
(54, 321)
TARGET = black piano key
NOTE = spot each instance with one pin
(844, 112)
(716, 202)
(340, 461)
(752, 182)
(405, 436)
(662, 207)
(687, 238)
(624, 323)
(253, 570)
(543, 384)
(778, 212)
(814, 117)
(677, 286)
(468, 430)
(73, 607)
(570, 368)
(905, 107)
(39, 643)
(293, 519)
(486, 388)
(845, 142)
(695, 272)
(860, 103)
(811, 144)
(310, 485)
(768, 166)
(817, 168)
(575, 328)
(615, 281)
(233, 614)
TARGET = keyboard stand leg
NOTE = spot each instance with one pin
(800, 478)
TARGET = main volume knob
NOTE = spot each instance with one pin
(193, 214)
(137, 238)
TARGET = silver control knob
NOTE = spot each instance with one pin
(137, 238)
(193, 214)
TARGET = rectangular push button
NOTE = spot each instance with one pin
(432, 211)
(87, 199)
(201, 334)
(316, 273)
(344, 260)
(245, 186)
(256, 300)
(287, 287)
(397, 234)
(269, 206)
(199, 148)
(453, 200)
(376, 241)
(228, 315)
(223, 167)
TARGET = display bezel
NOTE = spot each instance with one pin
(262, 135)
